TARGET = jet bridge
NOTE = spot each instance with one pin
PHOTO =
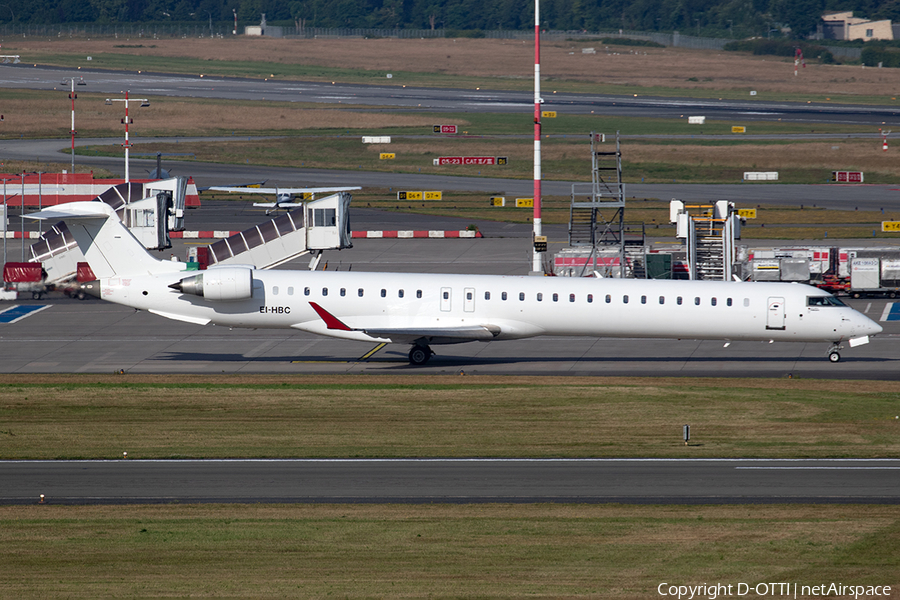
(318, 225)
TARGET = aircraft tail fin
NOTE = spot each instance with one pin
(108, 246)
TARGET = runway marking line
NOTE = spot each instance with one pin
(891, 312)
(16, 313)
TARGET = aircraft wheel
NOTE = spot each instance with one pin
(419, 355)
(834, 356)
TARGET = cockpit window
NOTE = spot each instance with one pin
(823, 301)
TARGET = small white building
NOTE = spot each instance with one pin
(264, 30)
(844, 26)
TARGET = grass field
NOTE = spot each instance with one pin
(368, 416)
(472, 63)
(562, 159)
(437, 551)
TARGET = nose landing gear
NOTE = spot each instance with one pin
(833, 354)
(419, 355)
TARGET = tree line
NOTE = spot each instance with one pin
(713, 18)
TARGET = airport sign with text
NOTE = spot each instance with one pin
(471, 160)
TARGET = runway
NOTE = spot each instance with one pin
(412, 99)
(644, 481)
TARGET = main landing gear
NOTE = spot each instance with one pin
(833, 354)
(419, 355)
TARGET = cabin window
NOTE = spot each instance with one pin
(418, 293)
(306, 291)
(697, 300)
(643, 299)
(383, 293)
(503, 296)
(540, 297)
(343, 292)
(556, 297)
(728, 302)
(590, 298)
(290, 291)
(662, 299)
(678, 300)
(521, 296)
(571, 297)
(274, 290)
(746, 302)
(359, 292)
(487, 295)
(446, 295)
(625, 299)
(469, 295)
(608, 298)
(324, 291)
(712, 301)
(399, 293)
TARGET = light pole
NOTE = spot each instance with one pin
(126, 121)
(536, 219)
(234, 31)
(72, 96)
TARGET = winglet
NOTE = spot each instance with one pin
(331, 321)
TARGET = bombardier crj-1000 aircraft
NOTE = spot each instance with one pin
(427, 309)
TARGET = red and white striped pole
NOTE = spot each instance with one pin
(536, 262)
(127, 144)
(72, 96)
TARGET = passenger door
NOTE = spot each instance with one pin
(775, 313)
(445, 299)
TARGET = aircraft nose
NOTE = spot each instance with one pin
(869, 326)
(874, 327)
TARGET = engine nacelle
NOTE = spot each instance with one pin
(226, 283)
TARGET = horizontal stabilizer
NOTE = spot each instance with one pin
(74, 210)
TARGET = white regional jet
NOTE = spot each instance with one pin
(426, 309)
(284, 197)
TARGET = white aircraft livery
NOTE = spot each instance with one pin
(427, 309)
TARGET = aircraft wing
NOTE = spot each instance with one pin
(435, 335)
(241, 186)
(277, 204)
(262, 190)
